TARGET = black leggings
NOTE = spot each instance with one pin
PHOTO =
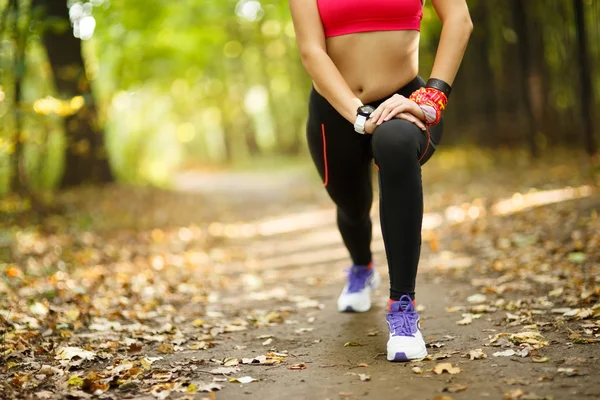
(343, 158)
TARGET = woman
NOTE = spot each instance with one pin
(358, 53)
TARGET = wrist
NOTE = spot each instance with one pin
(440, 85)
(432, 102)
(363, 114)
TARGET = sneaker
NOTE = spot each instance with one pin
(406, 341)
(356, 296)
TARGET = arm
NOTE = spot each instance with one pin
(311, 43)
(456, 30)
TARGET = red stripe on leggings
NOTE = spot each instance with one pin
(428, 140)
(325, 155)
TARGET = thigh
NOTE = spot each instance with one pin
(342, 156)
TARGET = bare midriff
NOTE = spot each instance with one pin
(375, 64)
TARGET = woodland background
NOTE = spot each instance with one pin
(156, 87)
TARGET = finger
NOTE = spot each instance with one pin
(381, 109)
(397, 110)
(411, 118)
(375, 114)
(386, 111)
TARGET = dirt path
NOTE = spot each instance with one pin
(240, 279)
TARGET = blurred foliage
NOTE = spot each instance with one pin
(197, 82)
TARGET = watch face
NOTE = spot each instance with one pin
(366, 110)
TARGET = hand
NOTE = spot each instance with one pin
(370, 126)
(401, 107)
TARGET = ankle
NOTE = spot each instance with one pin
(390, 301)
(367, 266)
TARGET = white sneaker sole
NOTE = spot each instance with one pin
(361, 307)
(401, 356)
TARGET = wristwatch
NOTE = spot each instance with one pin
(362, 115)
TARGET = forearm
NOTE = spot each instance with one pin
(456, 31)
(331, 83)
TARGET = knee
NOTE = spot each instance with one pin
(357, 211)
(395, 141)
(353, 215)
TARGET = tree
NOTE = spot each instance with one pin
(585, 79)
(528, 72)
(86, 158)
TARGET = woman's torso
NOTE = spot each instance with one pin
(375, 63)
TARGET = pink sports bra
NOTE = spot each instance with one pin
(342, 17)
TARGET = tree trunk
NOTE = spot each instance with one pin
(86, 159)
(18, 182)
(527, 73)
(587, 94)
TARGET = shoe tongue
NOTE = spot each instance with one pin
(403, 305)
(406, 304)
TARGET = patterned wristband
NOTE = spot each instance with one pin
(430, 97)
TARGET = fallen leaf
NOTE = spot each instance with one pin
(514, 394)
(224, 370)
(302, 330)
(374, 332)
(198, 323)
(267, 342)
(364, 377)
(352, 344)
(160, 393)
(442, 397)
(467, 320)
(477, 354)
(445, 367)
(435, 345)
(68, 353)
(268, 359)
(166, 348)
(417, 370)
(38, 308)
(569, 371)
(264, 337)
(208, 387)
(75, 380)
(540, 359)
(455, 388)
(477, 298)
(300, 366)
(44, 394)
(192, 388)
(243, 379)
(230, 362)
(345, 394)
(363, 365)
(201, 346)
(576, 257)
(505, 353)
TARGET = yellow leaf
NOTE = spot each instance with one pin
(166, 348)
(75, 381)
(446, 367)
(198, 322)
(192, 388)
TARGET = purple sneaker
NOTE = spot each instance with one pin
(406, 341)
(356, 296)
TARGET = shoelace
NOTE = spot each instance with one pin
(357, 278)
(403, 323)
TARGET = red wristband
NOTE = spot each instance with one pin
(431, 97)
